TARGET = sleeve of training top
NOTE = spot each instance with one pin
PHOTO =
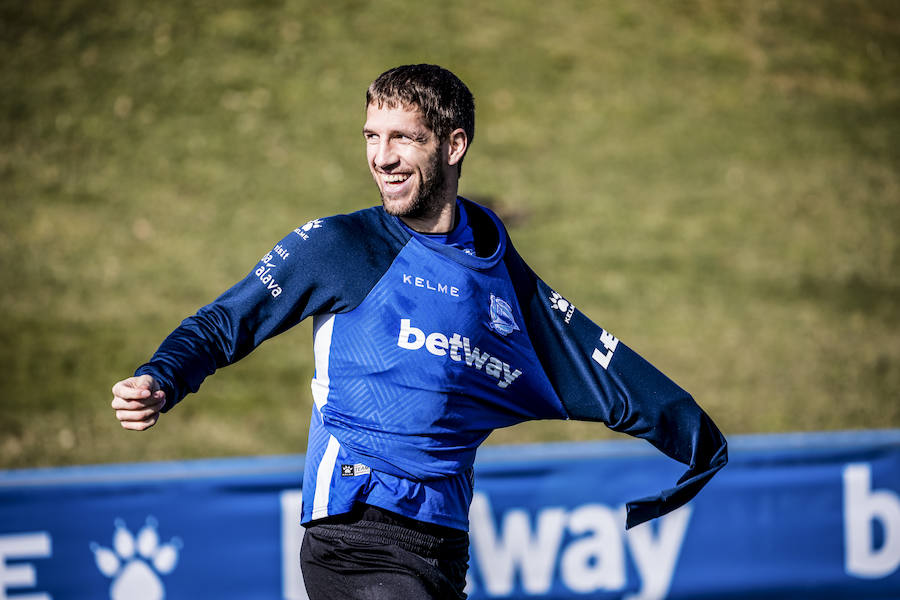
(328, 265)
(598, 378)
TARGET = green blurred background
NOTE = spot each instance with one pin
(716, 183)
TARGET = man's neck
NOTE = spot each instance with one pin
(443, 221)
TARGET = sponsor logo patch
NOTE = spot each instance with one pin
(354, 470)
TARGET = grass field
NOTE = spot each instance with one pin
(716, 183)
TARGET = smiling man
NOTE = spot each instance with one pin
(411, 165)
(430, 332)
(417, 165)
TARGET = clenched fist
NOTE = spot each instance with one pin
(137, 402)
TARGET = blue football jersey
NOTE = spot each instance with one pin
(422, 348)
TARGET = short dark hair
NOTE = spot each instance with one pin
(445, 101)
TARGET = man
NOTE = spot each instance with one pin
(429, 332)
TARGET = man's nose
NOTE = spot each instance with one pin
(386, 156)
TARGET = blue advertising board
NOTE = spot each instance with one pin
(791, 516)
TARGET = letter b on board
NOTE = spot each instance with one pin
(863, 509)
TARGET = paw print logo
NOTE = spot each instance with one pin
(557, 302)
(314, 224)
(135, 564)
(303, 230)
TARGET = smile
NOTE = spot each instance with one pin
(394, 177)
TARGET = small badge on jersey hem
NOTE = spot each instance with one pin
(502, 320)
(354, 470)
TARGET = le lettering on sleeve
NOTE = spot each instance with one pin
(598, 378)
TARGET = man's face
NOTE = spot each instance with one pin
(407, 161)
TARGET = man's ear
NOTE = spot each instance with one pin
(458, 143)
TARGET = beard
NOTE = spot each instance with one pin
(429, 197)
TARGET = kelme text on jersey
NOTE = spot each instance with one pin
(459, 348)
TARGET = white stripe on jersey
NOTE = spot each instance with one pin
(323, 326)
(323, 479)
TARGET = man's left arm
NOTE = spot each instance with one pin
(598, 378)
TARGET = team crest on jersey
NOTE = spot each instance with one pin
(502, 320)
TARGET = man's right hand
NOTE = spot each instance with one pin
(137, 402)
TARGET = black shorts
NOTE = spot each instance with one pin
(373, 554)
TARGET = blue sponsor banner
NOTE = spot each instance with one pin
(791, 516)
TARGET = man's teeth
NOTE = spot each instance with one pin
(398, 178)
